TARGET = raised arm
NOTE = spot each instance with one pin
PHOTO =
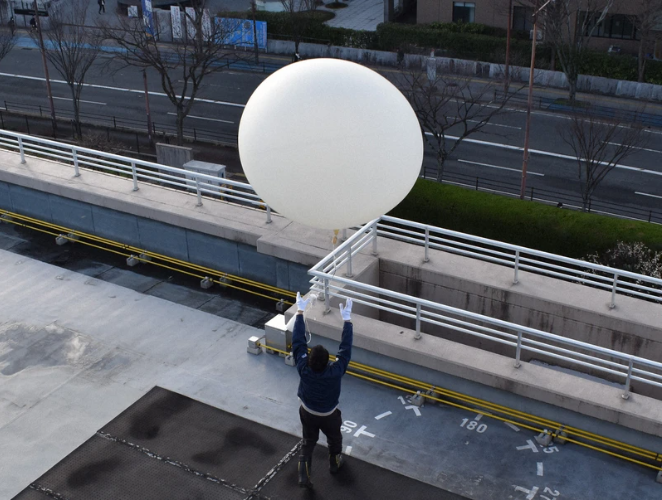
(299, 344)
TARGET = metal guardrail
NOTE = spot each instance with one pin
(139, 171)
(535, 193)
(327, 281)
(127, 124)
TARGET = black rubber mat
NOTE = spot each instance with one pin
(170, 447)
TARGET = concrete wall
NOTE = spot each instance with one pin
(544, 78)
(224, 255)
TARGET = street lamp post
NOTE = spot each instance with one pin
(527, 129)
(508, 36)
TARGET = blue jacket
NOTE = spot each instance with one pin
(320, 392)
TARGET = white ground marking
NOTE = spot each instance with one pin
(544, 153)
(415, 408)
(530, 446)
(496, 125)
(203, 118)
(634, 147)
(362, 431)
(539, 468)
(648, 194)
(402, 399)
(518, 170)
(81, 100)
(531, 493)
(478, 417)
(348, 451)
(119, 89)
(385, 414)
(512, 426)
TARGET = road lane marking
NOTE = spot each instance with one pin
(81, 100)
(119, 89)
(496, 125)
(203, 118)
(518, 170)
(512, 426)
(540, 469)
(543, 153)
(636, 147)
(648, 194)
(385, 414)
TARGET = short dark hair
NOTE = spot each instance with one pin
(318, 359)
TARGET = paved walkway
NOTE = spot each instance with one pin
(359, 15)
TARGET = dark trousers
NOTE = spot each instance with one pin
(313, 424)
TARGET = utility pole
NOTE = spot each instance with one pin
(149, 116)
(527, 130)
(506, 82)
(43, 58)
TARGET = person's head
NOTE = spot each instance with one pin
(318, 359)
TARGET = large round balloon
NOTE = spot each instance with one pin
(329, 143)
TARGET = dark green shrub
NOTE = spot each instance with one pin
(533, 225)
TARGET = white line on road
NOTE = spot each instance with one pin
(648, 194)
(478, 417)
(512, 426)
(119, 89)
(540, 468)
(88, 102)
(385, 414)
(203, 118)
(544, 153)
(500, 168)
(635, 147)
(496, 125)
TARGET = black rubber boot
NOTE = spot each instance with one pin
(304, 473)
(335, 463)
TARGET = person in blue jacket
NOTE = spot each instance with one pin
(319, 391)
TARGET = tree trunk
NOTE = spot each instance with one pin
(441, 158)
(641, 60)
(78, 132)
(572, 89)
(180, 125)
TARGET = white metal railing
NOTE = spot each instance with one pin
(139, 171)
(328, 281)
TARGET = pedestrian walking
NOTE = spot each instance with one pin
(12, 25)
(102, 6)
(33, 24)
(319, 391)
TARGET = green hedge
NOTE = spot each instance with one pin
(533, 225)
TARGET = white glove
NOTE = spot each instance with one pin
(301, 303)
(346, 312)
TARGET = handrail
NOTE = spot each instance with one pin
(219, 188)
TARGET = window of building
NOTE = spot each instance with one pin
(612, 26)
(463, 12)
(522, 19)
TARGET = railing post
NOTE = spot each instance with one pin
(344, 234)
(75, 157)
(515, 279)
(418, 322)
(426, 258)
(268, 214)
(349, 262)
(135, 175)
(374, 238)
(519, 349)
(21, 150)
(197, 190)
(613, 292)
(628, 380)
(327, 298)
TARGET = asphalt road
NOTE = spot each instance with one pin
(491, 158)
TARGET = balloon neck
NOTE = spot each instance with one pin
(335, 236)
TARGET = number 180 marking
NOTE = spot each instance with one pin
(473, 424)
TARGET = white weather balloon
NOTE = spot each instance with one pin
(329, 143)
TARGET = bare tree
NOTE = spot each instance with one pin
(7, 41)
(71, 48)
(449, 105)
(646, 22)
(570, 25)
(300, 14)
(183, 65)
(599, 145)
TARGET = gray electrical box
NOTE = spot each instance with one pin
(202, 167)
(277, 336)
